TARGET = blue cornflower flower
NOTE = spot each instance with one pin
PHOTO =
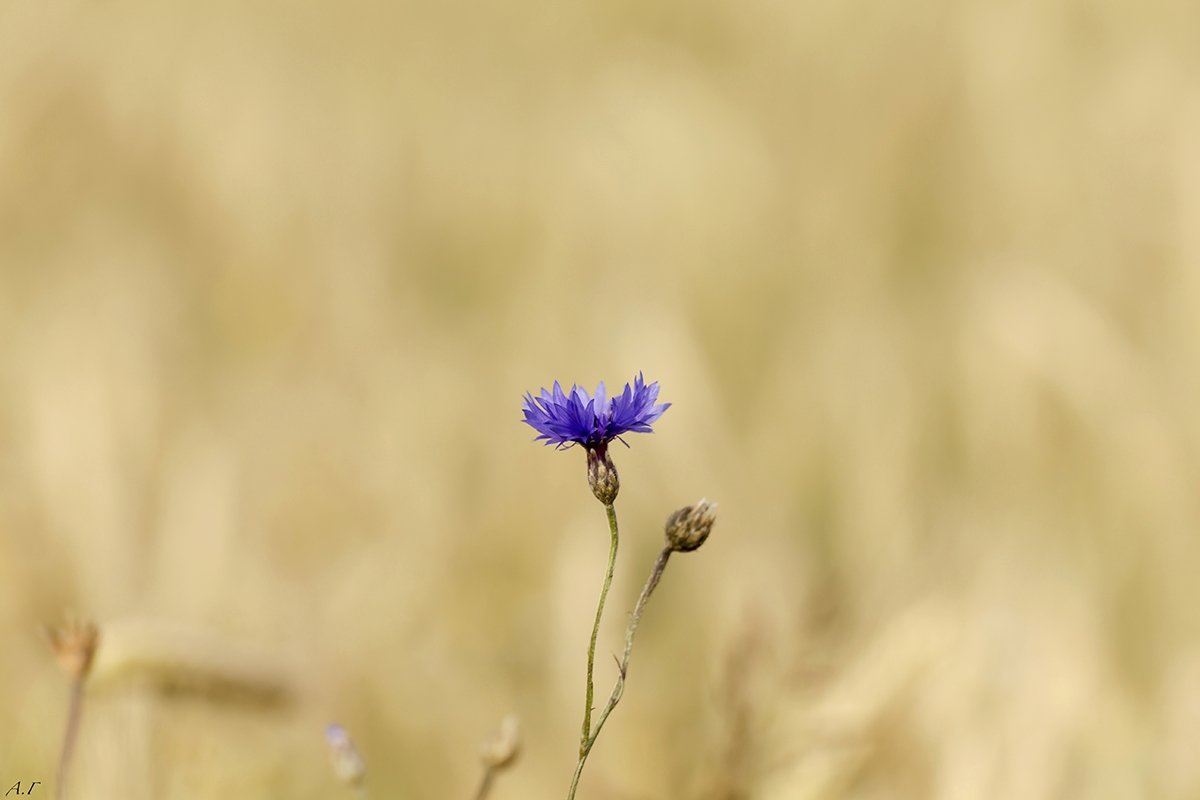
(575, 417)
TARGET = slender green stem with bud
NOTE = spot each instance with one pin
(660, 566)
(591, 659)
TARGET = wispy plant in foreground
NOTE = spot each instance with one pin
(74, 645)
(573, 417)
(498, 753)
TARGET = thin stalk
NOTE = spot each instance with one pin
(660, 566)
(74, 710)
(591, 660)
(485, 785)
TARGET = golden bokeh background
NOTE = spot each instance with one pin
(921, 280)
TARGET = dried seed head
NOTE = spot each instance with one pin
(602, 475)
(348, 764)
(689, 527)
(501, 750)
(74, 645)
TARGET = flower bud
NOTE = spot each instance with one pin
(501, 750)
(602, 475)
(74, 645)
(689, 527)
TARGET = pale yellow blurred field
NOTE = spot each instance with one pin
(922, 281)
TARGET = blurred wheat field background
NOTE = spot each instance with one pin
(921, 282)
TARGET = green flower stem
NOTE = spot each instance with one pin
(660, 566)
(591, 661)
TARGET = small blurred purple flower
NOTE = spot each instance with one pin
(575, 417)
(348, 764)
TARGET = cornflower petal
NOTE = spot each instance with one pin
(573, 416)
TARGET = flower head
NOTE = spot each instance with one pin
(689, 527)
(575, 417)
(74, 645)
